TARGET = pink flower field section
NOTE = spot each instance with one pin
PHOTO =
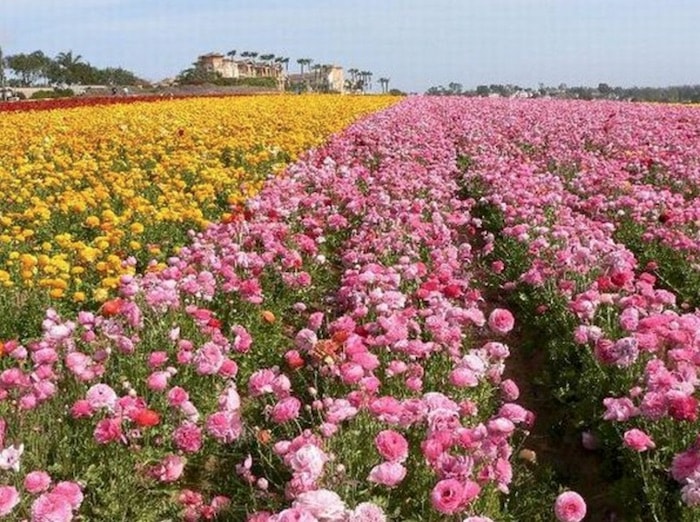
(342, 348)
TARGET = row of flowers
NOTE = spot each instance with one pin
(584, 198)
(88, 187)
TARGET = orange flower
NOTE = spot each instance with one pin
(111, 307)
(263, 436)
(268, 316)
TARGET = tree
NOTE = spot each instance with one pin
(231, 54)
(604, 89)
(384, 82)
(29, 68)
(482, 90)
(454, 88)
(64, 67)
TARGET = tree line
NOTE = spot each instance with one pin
(65, 69)
(670, 94)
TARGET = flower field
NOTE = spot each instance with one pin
(439, 313)
(92, 192)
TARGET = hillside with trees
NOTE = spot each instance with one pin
(65, 69)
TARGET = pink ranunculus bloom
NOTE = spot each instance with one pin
(158, 380)
(619, 409)
(177, 395)
(308, 459)
(477, 519)
(392, 445)
(157, 359)
(37, 482)
(81, 408)
(294, 514)
(52, 507)
(570, 507)
(367, 512)
(501, 321)
(169, 469)
(101, 396)
(638, 440)
(188, 437)
(286, 410)
(261, 382)
(108, 430)
(388, 474)
(509, 390)
(70, 491)
(324, 504)
(243, 341)
(9, 498)
(448, 496)
(224, 426)
(209, 359)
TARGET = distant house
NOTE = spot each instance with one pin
(227, 67)
(324, 78)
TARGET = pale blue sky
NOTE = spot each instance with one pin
(417, 43)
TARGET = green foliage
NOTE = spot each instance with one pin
(53, 93)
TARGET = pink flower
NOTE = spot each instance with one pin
(243, 340)
(9, 498)
(70, 491)
(157, 359)
(392, 445)
(37, 481)
(387, 474)
(501, 321)
(177, 395)
(683, 407)
(509, 390)
(108, 430)
(295, 514)
(638, 440)
(101, 396)
(450, 495)
(209, 359)
(188, 437)
(261, 382)
(308, 459)
(620, 409)
(570, 507)
(158, 381)
(324, 504)
(224, 426)
(169, 469)
(286, 410)
(367, 512)
(52, 507)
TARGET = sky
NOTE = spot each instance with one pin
(415, 43)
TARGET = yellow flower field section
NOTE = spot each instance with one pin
(84, 190)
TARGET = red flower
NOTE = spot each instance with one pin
(147, 418)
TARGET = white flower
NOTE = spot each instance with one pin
(324, 504)
(10, 456)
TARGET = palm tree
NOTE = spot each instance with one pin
(285, 61)
(317, 75)
(384, 82)
(66, 63)
(231, 53)
(353, 79)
